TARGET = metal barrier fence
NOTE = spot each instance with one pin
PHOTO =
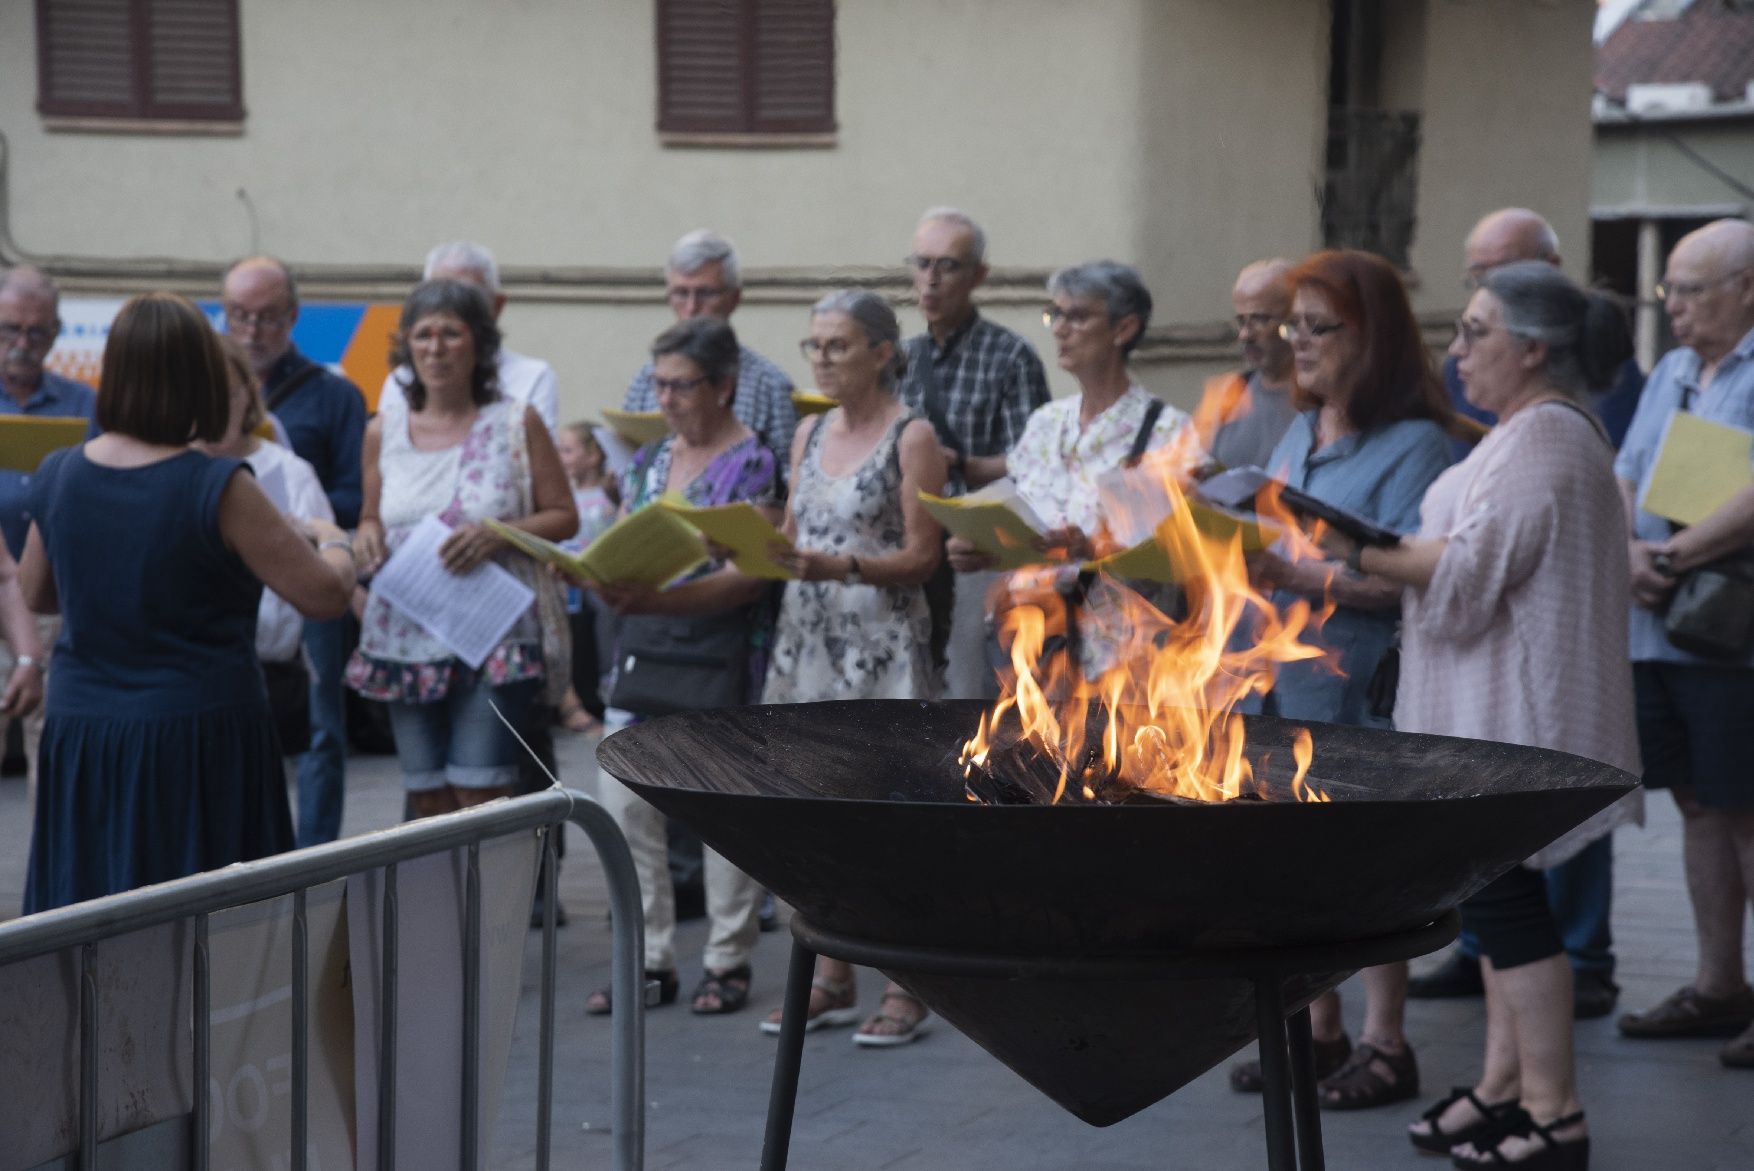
(193, 899)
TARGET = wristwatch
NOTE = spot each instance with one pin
(26, 661)
(853, 576)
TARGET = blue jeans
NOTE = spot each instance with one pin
(458, 740)
(322, 771)
(1581, 892)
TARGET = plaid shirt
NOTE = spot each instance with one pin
(763, 402)
(989, 380)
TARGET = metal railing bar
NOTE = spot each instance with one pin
(469, 1131)
(203, 996)
(550, 879)
(87, 1058)
(282, 874)
(390, 967)
(627, 1057)
(301, 1029)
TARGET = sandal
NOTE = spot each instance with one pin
(722, 992)
(598, 1002)
(837, 1006)
(1738, 1053)
(1371, 1077)
(1685, 1013)
(1245, 1076)
(895, 1030)
(1552, 1155)
(1495, 1121)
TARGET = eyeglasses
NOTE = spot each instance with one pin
(1688, 290)
(1468, 332)
(678, 385)
(832, 350)
(266, 319)
(35, 336)
(1294, 328)
(1077, 317)
(1244, 321)
(938, 265)
(686, 296)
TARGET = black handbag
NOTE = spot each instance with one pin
(666, 663)
(289, 701)
(1711, 613)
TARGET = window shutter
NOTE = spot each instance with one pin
(193, 59)
(701, 73)
(167, 59)
(746, 66)
(794, 65)
(85, 57)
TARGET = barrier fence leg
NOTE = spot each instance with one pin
(627, 1079)
(782, 1099)
(545, 1037)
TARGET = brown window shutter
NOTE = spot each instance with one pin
(794, 65)
(167, 59)
(192, 59)
(85, 57)
(745, 66)
(701, 70)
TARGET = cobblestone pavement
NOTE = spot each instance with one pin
(943, 1103)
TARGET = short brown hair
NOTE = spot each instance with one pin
(163, 373)
(238, 370)
(1394, 378)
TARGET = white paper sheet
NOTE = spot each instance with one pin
(469, 613)
(274, 487)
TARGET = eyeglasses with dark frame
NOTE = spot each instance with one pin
(832, 350)
(1293, 328)
(678, 385)
(1077, 317)
(35, 336)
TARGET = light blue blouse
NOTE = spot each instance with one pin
(1381, 475)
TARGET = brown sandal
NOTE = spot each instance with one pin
(1371, 1077)
(1245, 1076)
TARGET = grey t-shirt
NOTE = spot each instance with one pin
(1248, 439)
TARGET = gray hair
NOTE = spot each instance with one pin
(703, 247)
(280, 266)
(1585, 330)
(30, 283)
(1118, 286)
(708, 342)
(871, 313)
(952, 215)
(464, 256)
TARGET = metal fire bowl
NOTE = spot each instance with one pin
(854, 813)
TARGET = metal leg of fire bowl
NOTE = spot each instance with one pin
(1304, 1110)
(1275, 1073)
(783, 1097)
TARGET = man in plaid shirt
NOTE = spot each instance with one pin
(976, 382)
(702, 277)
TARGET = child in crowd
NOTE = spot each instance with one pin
(598, 498)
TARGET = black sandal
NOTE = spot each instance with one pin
(1554, 1155)
(1359, 1084)
(598, 1003)
(729, 988)
(1245, 1076)
(1496, 1120)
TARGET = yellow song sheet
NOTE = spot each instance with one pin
(1150, 561)
(1700, 465)
(991, 525)
(637, 427)
(740, 528)
(26, 439)
(808, 402)
(651, 547)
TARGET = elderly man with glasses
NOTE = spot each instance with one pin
(324, 417)
(1694, 711)
(1246, 413)
(703, 279)
(30, 321)
(976, 382)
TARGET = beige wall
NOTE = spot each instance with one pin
(1183, 135)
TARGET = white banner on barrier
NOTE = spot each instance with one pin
(429, 1041)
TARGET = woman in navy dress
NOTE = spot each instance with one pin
(159, 757)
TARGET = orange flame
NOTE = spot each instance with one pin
(1161, 717)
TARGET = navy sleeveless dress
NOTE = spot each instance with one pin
(159, 757)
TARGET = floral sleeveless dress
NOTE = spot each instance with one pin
(836, 640)
(484, 476)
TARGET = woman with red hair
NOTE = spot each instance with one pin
(1370, 437)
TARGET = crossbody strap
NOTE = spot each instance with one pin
(1143, 439)
(297, 381)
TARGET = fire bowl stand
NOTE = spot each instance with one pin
(1293, 1119)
